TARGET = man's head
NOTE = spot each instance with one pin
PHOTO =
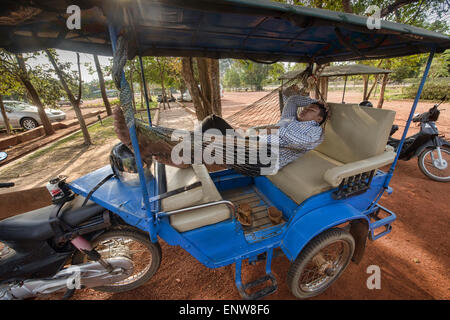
(315, 111)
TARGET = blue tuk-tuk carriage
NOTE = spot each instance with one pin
(328, 197)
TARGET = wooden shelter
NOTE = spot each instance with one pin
(345, 71)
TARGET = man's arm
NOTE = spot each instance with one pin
(301, 135)
(293, 103)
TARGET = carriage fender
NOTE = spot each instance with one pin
(317, 221)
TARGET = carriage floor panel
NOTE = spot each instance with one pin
(257, 201)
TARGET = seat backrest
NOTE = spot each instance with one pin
(355, 133)
(177, 178)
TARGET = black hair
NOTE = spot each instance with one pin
(322, 111)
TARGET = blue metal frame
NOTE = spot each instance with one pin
(405, 131)
(411, 115)
(137, 153)
(226, 243)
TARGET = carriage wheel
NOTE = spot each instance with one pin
(320, 263)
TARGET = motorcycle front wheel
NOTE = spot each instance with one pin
(432, 167)
(133, 244)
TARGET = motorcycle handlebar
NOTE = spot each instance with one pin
(6, 185)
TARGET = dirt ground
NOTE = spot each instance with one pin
(414, 258)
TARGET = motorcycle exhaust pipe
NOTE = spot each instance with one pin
(87, 275)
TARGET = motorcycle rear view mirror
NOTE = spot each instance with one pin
(3, 155)
(440, 102)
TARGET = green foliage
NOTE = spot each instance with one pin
(43, 80)
(70, 75)
(433, 90)
(232, 78)
(440, 67)
(157, 70)
(252, 74)
(416, 12)
(428, 14)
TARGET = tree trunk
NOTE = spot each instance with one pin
(366, 84)
(5, 117)
(324, 87)
(383, 87)
(205, 93)
(347, 6)
(216, 104)
(373, 86)
(205, 80)
(132, 87)
(148, 92)
(187, 72)
(164, 97)
(48, 128)
(75, 102)
(161, 75)
(141, 89)
(101, 81)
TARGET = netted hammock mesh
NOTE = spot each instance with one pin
(155, 142)
(267, 110)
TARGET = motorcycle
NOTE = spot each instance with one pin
(433, 151)
(72, 244)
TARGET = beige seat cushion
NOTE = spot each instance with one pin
(355, 133)
(177, 178)
(208, 192)
(355, 142)
(303, 178)
(335, 175)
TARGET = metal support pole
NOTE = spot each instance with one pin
(345, 85)
(411, 115)
(137, 154)
(145, 91)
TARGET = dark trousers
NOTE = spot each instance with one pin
(215, 122)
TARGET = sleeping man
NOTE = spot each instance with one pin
(298, 130)
(295, 134)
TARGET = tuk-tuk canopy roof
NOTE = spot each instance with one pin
(338, 71)
(243, 29)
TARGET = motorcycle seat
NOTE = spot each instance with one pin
(35, 225)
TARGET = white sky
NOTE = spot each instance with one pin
(69, 56)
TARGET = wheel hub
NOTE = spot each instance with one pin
(441, 165)
(28, 124)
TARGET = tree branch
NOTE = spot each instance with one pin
(396, 5)
(347, 6)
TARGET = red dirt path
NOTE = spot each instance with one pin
(414, 257)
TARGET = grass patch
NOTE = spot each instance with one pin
(98, 132)
(61, 150)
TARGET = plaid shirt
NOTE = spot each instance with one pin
(296, 137)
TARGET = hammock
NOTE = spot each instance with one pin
(267, 110)
(156, 141)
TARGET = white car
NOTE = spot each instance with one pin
(186, 96)
(26, 116)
